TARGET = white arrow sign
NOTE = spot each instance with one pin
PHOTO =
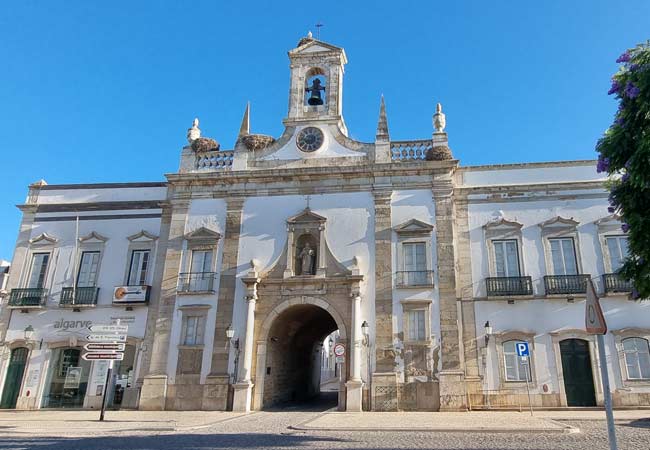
(106, 338)
(103, 356)
(106, 346)
(109, 328)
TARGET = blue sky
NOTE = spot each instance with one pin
(105, 91)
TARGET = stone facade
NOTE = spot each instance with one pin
(402, 243)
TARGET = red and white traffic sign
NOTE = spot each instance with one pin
(96, 356)
(339, 349)
(106, 347)
(594, 317)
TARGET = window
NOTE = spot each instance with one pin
(201, 261)
(506, 258)
(193, 326)
(417, 325)
(515, 369)
(138, 268)
(415, 263)
(69, 358)
(637, 358)
(563, 255)
(38, 271)
(87, 276)
(618, 251)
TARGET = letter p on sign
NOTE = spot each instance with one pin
(522, 349)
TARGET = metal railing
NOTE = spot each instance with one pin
(566, 284)
(509, 286)
(81, 296)
(23, 297)
(196, 281)
(613, 282)
(412, 278)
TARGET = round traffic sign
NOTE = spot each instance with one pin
(339, 349)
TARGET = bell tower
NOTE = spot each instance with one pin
(316, 83)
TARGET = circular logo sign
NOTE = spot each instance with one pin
(120, 293)
(339, 349)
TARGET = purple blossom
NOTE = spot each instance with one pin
(625, 57)
(635, 294)
(603, 164)
(628, 164)
(619, 121)
(633, 67)
(611, 209)
(631, 91)
(625, 227)
(615, 88)
(625, 177)
(612, 200)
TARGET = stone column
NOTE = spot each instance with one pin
(161, 309)
(383, 283)
(215, 394)
(354, 386)
(244, 386)
(452, 377)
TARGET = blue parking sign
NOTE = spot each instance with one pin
(522, 349)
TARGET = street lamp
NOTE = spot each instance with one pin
(365, 328)
(29, 333)
(488, 332)
(230, 333)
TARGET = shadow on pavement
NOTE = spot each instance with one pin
(168, 441)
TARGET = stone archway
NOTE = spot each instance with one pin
(288, 340)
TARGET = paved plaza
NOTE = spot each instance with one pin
(284, 429)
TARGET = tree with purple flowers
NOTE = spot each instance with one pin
(624, 153)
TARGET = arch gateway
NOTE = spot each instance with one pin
(251, 263)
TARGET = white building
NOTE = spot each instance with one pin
(268, 248)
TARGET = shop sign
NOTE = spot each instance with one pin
(131, 294)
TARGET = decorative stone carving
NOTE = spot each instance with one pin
(193, 133)
(439, 120)
(439, 153)
(307, 257)
(255, 142)
(202, 145)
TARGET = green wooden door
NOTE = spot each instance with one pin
(14, 378)
(578, 377)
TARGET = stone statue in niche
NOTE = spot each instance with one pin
(307, 257)
(315, 98)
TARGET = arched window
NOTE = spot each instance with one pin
(515, 369)
(637, 358)
(315, 87)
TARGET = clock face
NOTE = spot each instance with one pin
(310, 139)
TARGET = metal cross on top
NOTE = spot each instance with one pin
(308, 198)
(318, 27)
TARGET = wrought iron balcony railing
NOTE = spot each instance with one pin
(414, 278)
(509, 286)
(81, 296)
(196, 281)
(613, 282)
(566, 284)
(27, 297)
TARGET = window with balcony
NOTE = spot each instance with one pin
(503, 239)
(637, 358)
(88, 266)
(38, 270)
(34, 294)
(414, 255)
(565, 278)
(138, 267)
(618, 251)
(85, 291)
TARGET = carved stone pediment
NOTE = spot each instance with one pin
(414, 227)
(305, 217)
(43, 239)
(142, 236)
(93, 238)
(203, 234)
(503, 224)
(559, 222)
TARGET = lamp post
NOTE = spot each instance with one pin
(230, 333)
(488, 332)
(365, 330)
(29, 333)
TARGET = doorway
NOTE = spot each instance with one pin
(67, 379)
(577, 371)
(14, 378)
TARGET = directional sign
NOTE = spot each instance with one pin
(522, 349)
(120, 329)
(339, 349)
(105, 347)
(106, 338)
(594, 317)
(96, 356)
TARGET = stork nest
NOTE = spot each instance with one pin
(439, 153)
(256, 142)
(204, 144)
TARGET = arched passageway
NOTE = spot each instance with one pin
(292, 374)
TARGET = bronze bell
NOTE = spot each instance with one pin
(315, 98)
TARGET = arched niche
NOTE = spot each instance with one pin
(306, 228)
(316, 87)
(307, 254)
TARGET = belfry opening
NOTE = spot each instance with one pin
(296, 371)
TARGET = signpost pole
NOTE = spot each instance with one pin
(611, 432)
(108, 377)
(530, 404)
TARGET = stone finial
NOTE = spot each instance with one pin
(245, 128)
(439, 120)
(194, 133)
(382, 123)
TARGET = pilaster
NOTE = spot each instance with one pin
(385, 359)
